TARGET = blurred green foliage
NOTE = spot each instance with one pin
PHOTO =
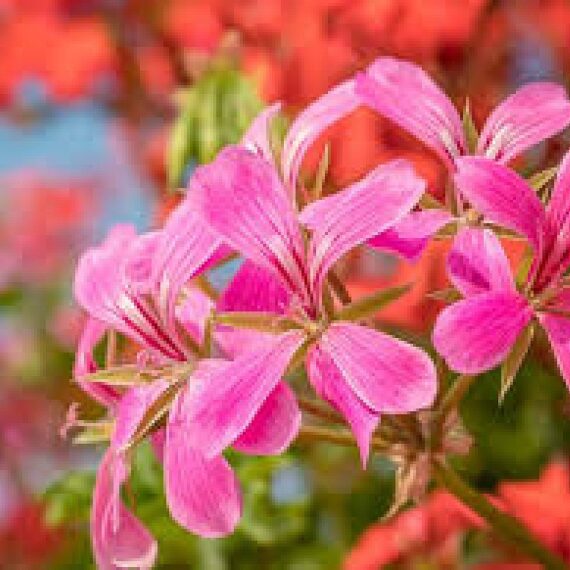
(215, 112)
(304, 509)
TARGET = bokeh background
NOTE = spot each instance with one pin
(89, 93)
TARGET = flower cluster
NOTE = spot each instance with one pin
(213, 371)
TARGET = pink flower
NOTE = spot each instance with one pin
(477, 333)
(245, 199)
(404, 93)
(130, 284)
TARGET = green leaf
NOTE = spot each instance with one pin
(430, 202)
(97, 432)
(128, 375)
(259, 321)
(524, 267)
(514, 360)
(371, 304)
(449, 295)
(322, 170)
(469, 128)
(154, 415)
(69, 499)
(539, 180)
(215, 112)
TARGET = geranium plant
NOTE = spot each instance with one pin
(218, 369)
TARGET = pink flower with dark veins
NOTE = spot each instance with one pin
(477, 333)
(247, 201)
(132, 284)
(405, 94)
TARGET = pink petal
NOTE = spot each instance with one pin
(187, 247)
(254, 288)
(223, 403)
(476, 334)
(119, 539)
(203, 495)
(365, 209)
(558, 209)
(242, 198)
(256, 139)
(98, 278)
(330, 385)
(104, 288)
(310, 124)
(558, 331)
(477, 263)
(387, 374)
(138, 262)
(132, 409)
(502, 196)
(194, 312)
(535, 112)
(92, 334)
(411, 234)
(405, 94)
(275, 425)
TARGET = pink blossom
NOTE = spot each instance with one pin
(360, 371)
(404, 93)
(130, 284)
(477, 333)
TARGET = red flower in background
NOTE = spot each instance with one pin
(42, 225)
(25, 540)
(433, 531)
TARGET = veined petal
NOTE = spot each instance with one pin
(186, 248)
(119, 539)
(411, 234)
(222, 403)
(358, 213)
(92, 334)
(109, 282)
(203, 495)
(308, 126)
(502, 196)
(558, 209)
(331, 385)
(256, 139)
(132, 408)
(138, 262)
(405, 94)
(254, 288)
(99, 281)
(243, 200)
(476, 334)
(193, 313)
(533, 113)
(555, 258)
(558, 330)
(275, 425)
(387, 374)
(477, 263)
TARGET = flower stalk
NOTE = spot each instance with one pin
(504, 525)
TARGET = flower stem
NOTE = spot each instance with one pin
(455, 393)
(339, 288)
(340, 437)
(506, 526)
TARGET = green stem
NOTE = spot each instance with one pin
(319, 410)
(340, 437)
(339, 289)
(506, 526)
(455, 393)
